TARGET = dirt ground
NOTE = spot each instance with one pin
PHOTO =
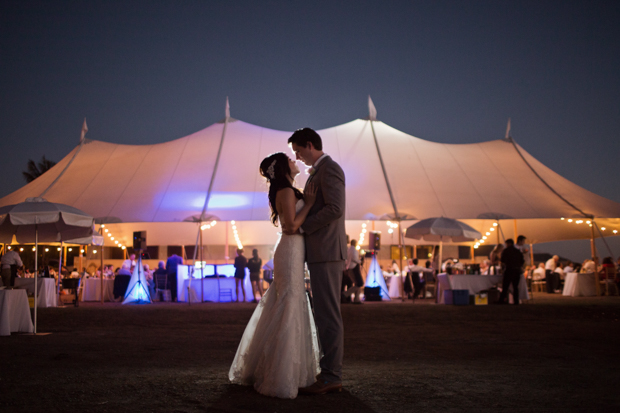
(553, 354)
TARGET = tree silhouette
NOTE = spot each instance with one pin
(35, 170)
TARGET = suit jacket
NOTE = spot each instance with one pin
(326, 239)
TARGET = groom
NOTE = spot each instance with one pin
(326, 252)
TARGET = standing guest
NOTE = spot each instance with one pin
(512, 259)
(352, 266)
(415, 271)
(121, 282)
(240, 263)
(521, 246)
(550, 265)
(10, 262)
(254, 265)
(495, 258)
(171, 267)
(131, 261)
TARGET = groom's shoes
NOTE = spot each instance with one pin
(321, 387)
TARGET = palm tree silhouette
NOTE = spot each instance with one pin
(35, 170)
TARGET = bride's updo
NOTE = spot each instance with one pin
(276, 170)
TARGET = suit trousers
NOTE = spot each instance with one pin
(512, 276)
(552, 284)
(326, 281)
(6, 277)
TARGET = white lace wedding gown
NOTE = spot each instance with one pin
(279, 351)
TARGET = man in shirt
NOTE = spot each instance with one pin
(512, 259)
(353, 268)
(521, 246)
(10, 262)
(131, 261)
(550, 274)
(171, 266)
(414, 271)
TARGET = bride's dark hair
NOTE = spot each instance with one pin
(276, 170)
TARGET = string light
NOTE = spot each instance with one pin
(488, 233)
(236, 234)
(589, 222)
(21, 249)
(495, 224)
(570, 220)
(9, 247)
(47, 250)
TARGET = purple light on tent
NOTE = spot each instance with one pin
(192, 200)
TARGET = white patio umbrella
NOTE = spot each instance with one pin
(39, 220)
(442, 230)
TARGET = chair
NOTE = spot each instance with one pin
(161, 286)
(430, 284)
(444, 281)
(609, 282)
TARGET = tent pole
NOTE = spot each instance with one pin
(497, 231)
(59, 276)
(36, 272)
(226, 243)
(202, 275)
(101, 264)
(516, 234)
(595, 258)
(532, 254)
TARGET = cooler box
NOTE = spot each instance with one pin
(482, 298)
(460, 297)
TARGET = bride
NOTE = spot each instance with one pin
(279, 350)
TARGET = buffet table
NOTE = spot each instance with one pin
(477, 283)
(14, 312)
(579, 285)
(91, 289)
(46, 289)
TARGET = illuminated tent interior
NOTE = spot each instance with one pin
(162, 188)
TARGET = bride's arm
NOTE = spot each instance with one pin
(285, 204)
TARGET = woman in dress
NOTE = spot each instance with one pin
(279, 350)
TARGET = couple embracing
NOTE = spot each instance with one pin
(279, 353)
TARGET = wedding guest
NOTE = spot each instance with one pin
(512, 259)
(131, 261)
(10, 262)
(607, 263)
(171, 267)
(588, 266)
(121, 282)
(417, 273)
(552, 283)
(568, 267)
(352, 266)
(254, 265)
(495, 257)
(240, 263)
(159, 272)
(539, 273)
(522, 246)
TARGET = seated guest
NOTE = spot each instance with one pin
(588, 266)
(568, 267)
(559, 270)
(607, 263)
(121, 282)
(159, 272)
(539, 273)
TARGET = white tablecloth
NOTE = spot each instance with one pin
(477, 283)
(91, 290)
(579, 285)
(46, 289)
(210, 288)
(14, 312)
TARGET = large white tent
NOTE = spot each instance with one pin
(161, 187)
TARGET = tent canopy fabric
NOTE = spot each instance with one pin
(442, 229)
(168, 182)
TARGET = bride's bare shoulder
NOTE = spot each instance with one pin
(285, 193)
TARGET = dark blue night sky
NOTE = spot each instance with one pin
(445, 71)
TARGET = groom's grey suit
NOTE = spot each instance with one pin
(326, 252)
